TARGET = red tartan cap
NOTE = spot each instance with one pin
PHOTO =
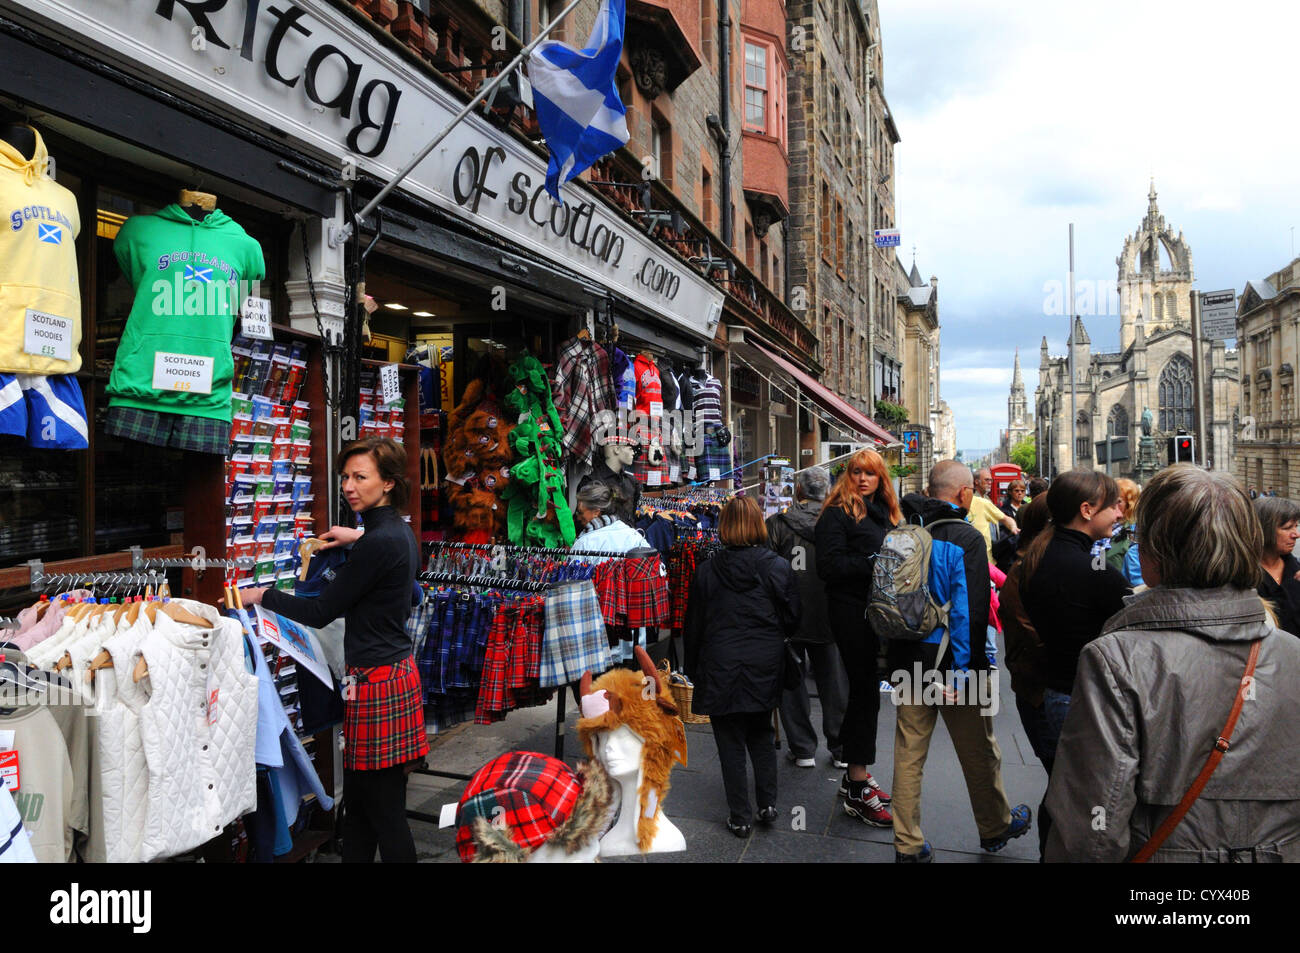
(523, 793)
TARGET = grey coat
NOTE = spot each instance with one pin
(795, 527)
(1151, 696)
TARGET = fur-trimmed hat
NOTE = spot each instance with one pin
(639, 700)
(521, 800)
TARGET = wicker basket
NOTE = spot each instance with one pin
(682, 695)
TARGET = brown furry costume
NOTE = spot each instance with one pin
(477, 458)
(647, 708)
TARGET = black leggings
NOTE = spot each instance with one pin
(374, 815)
(858, 648)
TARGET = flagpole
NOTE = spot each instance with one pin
(341, 235)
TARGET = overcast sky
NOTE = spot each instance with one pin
(1018, 118)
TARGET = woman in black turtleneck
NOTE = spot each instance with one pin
(383, 726)
(1067, 592)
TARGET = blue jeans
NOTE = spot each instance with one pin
(1055, 707)
(991, 645)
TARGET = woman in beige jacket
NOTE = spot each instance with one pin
(1153, 693)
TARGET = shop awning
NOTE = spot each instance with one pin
(842, 411)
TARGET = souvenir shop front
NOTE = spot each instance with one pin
(163, 449)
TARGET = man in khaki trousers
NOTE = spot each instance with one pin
(948, 675)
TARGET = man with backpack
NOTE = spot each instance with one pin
(930, 598)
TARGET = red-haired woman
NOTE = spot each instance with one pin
(860, 510)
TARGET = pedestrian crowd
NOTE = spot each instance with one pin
(1152, 640)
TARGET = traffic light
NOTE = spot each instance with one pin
(1182, 449)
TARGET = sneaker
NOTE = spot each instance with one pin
(870, 782)
(837, 763)
(868, 809)
(1022, 818)
(739, 828)
(925, 855)
(767, 815)
(801, 762)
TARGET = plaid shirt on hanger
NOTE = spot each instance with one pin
(583, 386)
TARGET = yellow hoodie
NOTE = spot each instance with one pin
(40, 298)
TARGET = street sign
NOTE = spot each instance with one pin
(1219, 315)
(888, 238)
(911, 441)
(1118, 450)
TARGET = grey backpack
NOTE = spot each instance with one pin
(901, 605)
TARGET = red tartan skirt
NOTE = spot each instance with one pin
(383, 720)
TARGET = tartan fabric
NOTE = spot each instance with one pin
(681, 570)
(383, 723)
(714, 457)
(417, 626)
(647, 591)
(527, 794)
(491, 705)
(178, 431)
(575, 639)
(583, 386)
(610, 589)
(647, 475)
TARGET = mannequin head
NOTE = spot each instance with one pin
(630, 724)
(618, 455)
(17, 133)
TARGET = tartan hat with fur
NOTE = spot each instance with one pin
(521, 800)
(639, 700)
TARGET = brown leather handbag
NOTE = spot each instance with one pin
(1220, 748)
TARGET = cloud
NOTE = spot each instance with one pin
(1019, 119)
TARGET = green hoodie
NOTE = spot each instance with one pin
(174, 355)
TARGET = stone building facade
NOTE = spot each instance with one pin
(1268, 339)
(1152, 370)
(829, 225)
(916, 317)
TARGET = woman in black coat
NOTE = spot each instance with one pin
(744, 604)
(859, 512)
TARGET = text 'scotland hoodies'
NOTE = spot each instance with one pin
(174, 356)
(39, 290)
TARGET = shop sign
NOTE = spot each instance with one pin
(255, 319)
(303, 70)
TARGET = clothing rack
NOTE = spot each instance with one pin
(141, 563)
(491, 582)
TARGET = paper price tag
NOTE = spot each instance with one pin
(674, 474)
(656, 408)
(654, 478)
(255, 319)
(9, 770)
(7, 739)
(47, 335)
(714, 474)
(182, 372)
(391, 383)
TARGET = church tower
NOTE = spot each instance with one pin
(1155, 277)
(1018, 418)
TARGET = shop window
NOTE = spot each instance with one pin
(547, 12)
(661, 148)
(826, 221)
(749, 246)
(839, 237)
(756, 87)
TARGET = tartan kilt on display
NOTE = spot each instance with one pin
(383, 720)
(714, 457)
(178, 431)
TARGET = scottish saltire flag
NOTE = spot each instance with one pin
(50, 234)
(202, 275)
(576, 97)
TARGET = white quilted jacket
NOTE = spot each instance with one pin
(198, 728)
(125, 774)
